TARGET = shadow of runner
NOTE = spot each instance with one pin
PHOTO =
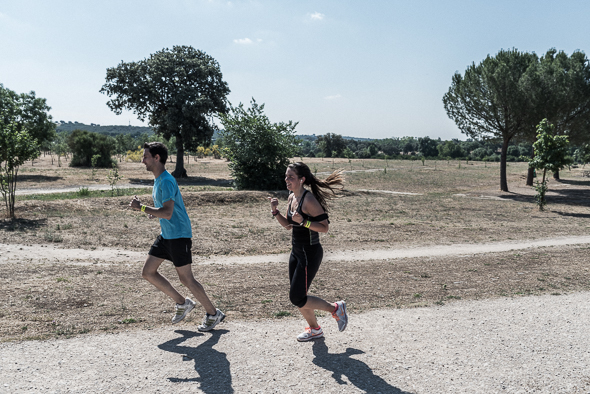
(211, 365)
(358, 373)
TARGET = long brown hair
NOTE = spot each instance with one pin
(322, 189)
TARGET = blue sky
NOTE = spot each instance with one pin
(374, 69)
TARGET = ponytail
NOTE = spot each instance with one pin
(322, 190)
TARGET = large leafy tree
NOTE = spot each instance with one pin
(559, 87)
(491, 100)
(177, 90)
(331, 144)
(258, 150)
(427, 146)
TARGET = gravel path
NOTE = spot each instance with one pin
(509, 345)
(53, 254)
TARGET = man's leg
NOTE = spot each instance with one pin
(185, 274)
(151, 274)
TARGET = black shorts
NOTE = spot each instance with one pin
(177, 250)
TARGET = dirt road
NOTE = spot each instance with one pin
(50, 253)
(521, 345)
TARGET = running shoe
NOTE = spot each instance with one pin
(183, 310)
(310, 333)
(210, 321)
(340, 315)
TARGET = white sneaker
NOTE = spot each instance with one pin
(183, 310)
(210, 321)
(341, 316)
(310, 333)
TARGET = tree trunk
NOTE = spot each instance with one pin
(179, 171)
(556, 175)
(503, 181)
(530, 173)
(530, 176)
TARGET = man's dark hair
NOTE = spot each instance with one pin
(157, 148)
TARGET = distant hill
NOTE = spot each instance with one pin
(114, 130)
(313, 137)
(108, 130)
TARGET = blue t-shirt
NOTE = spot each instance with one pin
(179, 225)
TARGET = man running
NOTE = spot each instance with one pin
(175, 240)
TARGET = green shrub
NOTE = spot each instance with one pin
(85, 145)
(258, 151)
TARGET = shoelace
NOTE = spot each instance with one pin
(209, 319)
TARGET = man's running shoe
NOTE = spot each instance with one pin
(210, 321)
(340, 315)
(310, 333)
(183, 310)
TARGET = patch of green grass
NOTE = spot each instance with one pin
(282, 314)
(266, 301)
(62, 280)
(51, 237)
(129, 320)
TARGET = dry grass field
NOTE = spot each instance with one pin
(386, 204)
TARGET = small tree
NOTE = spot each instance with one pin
(113, 177)
(258, 151)
(16, 147)
(551, 153)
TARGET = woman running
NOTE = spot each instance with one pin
(306, 216)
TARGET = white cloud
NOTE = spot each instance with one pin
(334, 97)
(317, 16)
(243, 41)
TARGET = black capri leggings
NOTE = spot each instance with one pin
(304, 263)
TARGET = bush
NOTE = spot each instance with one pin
(258, 151)
(134, 155)
(84, 145)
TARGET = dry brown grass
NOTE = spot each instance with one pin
(46, 300)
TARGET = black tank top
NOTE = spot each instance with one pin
(302, 235)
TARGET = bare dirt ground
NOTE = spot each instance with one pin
(403, 236)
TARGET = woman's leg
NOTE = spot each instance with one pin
(313, 304)
(311, 258)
